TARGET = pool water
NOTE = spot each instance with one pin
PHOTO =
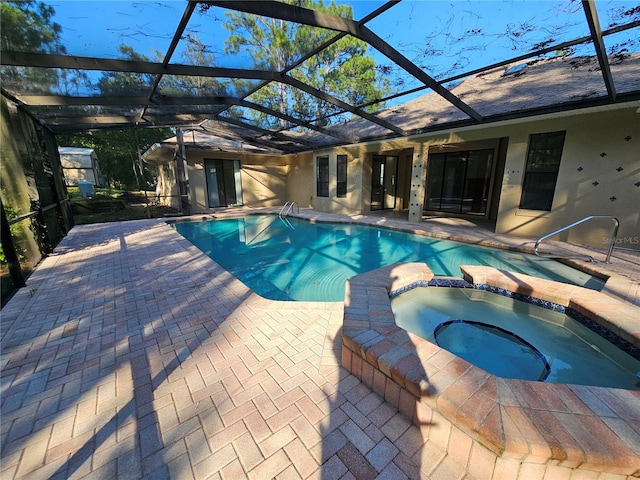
(573, 353)
(300, 260)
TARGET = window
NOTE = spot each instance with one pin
(541, 173)
(341, 169)
(322, 176)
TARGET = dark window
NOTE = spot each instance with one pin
(341, 170)
(541, 173)
(322, 176)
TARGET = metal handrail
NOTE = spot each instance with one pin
(286, 204)
(586, 219)
(287, 207)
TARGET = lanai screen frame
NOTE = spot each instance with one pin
(78, 113)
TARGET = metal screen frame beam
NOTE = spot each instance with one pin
(313, 18)
(591, 13)
(132, 66)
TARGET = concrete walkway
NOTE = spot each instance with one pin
(130, 354)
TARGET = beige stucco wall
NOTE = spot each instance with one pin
(613, 130)
(302, 182)
(589, 133)
(263, 177)
(302, 177)
(601, 148)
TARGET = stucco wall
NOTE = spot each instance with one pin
(302, 182)
(599, 175)
(263, 177)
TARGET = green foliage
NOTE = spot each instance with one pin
(111, 205)
(344, 70)
(117, 152)
(16, 231)
(27, 26)
(126, 83)
(195, 53)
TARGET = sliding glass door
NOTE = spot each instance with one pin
(458, 182)
(224, 187)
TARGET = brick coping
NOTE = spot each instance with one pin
(576, 426)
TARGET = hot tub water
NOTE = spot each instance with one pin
(574, 353)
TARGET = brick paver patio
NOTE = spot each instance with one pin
(130, 354)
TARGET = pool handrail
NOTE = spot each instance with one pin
(287, 207)
(612, 240)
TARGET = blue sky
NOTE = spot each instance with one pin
(443, 37)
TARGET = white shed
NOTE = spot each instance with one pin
(80, 165)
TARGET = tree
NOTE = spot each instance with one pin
(27, 26)
(126, 83)
(195, 53)
(117, 152)
(343, 69)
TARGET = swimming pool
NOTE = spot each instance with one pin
(570, 352)
(306, 261)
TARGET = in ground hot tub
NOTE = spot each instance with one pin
(513, 428)
(513, 339)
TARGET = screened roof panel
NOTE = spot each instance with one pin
(292, 101)
(98, 28)
(204, 40)
(400, 99)
(216, 36)
(293, 75)
(74, 82)
(625, 42)
(159, 110)
(254, 117)
(53, 112)
(535, 84)
(613, 13)
(182, 86)
(353, 9)
(624, 70)
(449, 38)
(347, 71)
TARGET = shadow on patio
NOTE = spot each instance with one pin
(131, 354)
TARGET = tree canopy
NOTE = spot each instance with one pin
(117, 152)
(344, 70)
(28, 26)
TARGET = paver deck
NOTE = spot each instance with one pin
(131, 354)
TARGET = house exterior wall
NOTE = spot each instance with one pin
(263, 177)
(599, 175)
(302, 177)
(589, 183)
(302, 182)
